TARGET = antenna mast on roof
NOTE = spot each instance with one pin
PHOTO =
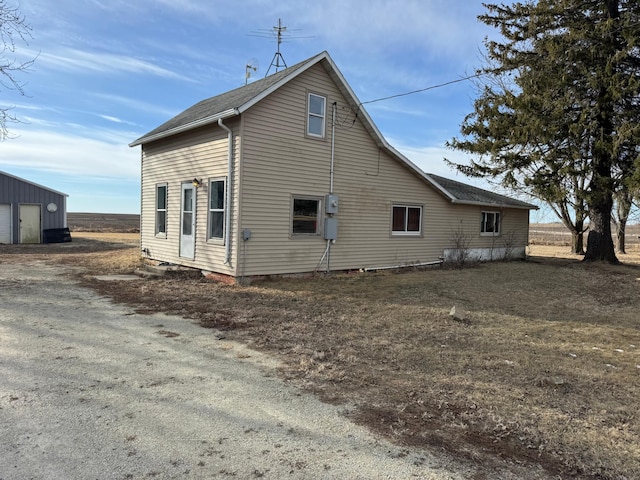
(275, 61)
(279, 33)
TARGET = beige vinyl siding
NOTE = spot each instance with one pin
(280, 161)
(200, 154)
(451, 218)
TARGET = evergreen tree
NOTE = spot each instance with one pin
(561, 115)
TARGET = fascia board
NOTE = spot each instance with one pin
(189, 126)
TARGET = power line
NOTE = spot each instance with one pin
(425, 89)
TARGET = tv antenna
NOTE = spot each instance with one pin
(249, 69)
(275, 61)
(279, 33)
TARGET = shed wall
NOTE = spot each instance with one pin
(15, 191)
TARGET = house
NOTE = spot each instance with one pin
(289, 174)
(31, 213)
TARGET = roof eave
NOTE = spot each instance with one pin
(495, 205)
(186, 127)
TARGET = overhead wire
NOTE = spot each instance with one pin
(451, 82)
(432, 87)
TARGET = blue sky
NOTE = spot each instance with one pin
(108, 71)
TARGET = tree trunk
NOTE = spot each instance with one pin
(622, 226)
(577, 234)
(577, 242)
(600, 242)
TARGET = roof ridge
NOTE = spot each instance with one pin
(222, 105)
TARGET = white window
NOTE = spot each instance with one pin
(316, 108)
(305, 218)
(490, 224)
(161, 209)
(406, 220)
(216, 209)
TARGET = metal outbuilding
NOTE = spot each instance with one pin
(31, 213)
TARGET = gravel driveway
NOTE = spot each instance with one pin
(91, 390)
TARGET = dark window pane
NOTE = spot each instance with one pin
(161, 196)
(216, 225)
(413, 219)
(187, 223)
(217, 195)
(399, 219)
(161, 222)
(305, 216)
(188, 200)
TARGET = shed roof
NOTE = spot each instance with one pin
(32, 183)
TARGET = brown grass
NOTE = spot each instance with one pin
(545, 369)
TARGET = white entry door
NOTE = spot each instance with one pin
(188, 221)
(5, 223)
(29, 223)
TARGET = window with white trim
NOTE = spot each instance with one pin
(305, 218)
(316, 108)
(161, 210)
(216, 209)
(490, 225)
(406, 220)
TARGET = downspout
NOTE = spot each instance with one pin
(227, 218)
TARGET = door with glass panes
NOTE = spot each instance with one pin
(187, 221)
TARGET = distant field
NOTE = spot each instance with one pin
(103, 222)
(539, 233)
(557, 234)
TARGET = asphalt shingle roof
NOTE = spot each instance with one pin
(463, 193)
(227, 101)
(235, 101)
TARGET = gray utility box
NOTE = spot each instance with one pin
(330, 228)
(331, 204)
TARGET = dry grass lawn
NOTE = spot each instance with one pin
(545, 368)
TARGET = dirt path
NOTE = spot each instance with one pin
(90, 390)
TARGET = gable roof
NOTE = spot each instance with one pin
(459, 192)
(236, 101)
(8, 175)
(227, 104)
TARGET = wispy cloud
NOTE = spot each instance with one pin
(71, 154)
(104, 63)
(132, 103)
(109, 118)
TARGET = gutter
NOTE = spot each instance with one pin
(183, 128)
(495, 205)
(227, 218)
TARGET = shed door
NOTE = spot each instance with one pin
(29, 223)
(187, 221)
(5, 223)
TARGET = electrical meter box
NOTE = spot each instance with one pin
(330, 228)
(331, 204)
